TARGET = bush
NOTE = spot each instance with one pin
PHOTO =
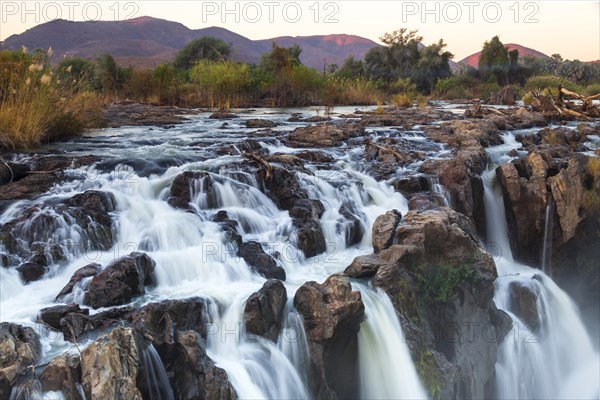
(592, 89)
(221, 84)
(550, 82)
(351, 91)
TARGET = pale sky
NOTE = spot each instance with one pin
(570, 28)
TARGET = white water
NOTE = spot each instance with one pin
(548, 359)
(193, 259)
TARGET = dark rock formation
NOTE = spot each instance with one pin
(51, 316)
(263, 313)
(82, 273)
(186, 185)
(261, 262)
(384, 230)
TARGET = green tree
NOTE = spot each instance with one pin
(205, 48)
(494, 61)
(76, 72)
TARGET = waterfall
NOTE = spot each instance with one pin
(547, 357)
(156, 381)
(547, 243)
(386, 368)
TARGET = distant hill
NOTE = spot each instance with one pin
(148, 41)
(473, 59)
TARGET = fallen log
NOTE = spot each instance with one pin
(263, 164)
(568, 109)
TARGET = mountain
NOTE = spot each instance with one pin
(148, 41)
(473, 59)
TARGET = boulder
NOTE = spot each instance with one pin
(88, 271)
(121, 281)
(51, 316)
(193, 375)
(352, 224)
(110, 366)
(261, 262)
(260, 123)
(76, 325)
(20, 349)
(305, 217)
(523, 300)
(567, 191)
(12, 172)
(30, 271)
(63, 374)
(384, 230)
(263, 313)
(159, 321)
(365, 266)
(324, 135)
(229, 227)
(189, 184)
(332, 314)
(411, 184)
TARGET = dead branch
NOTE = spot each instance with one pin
(264, 165)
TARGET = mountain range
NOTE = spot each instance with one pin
(148, 42)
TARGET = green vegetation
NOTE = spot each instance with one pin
(441, 282)
(430, 375)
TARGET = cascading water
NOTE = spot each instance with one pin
(547, 243)
(155, 376)
(548, 355)
(194, 258)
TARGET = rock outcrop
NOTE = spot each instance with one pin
(20, 349)
(323, 135)
(263, 313)
(261, 262)
(332, 314)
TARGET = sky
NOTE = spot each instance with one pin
(570, 28)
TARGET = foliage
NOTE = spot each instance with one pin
(592, 89)
(204, 48)
(441, 282)
(221, 82)
(429, 373)
(542, 82)
(351, 69)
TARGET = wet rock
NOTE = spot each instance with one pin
(74, 326)
(525, 200)
(315, 156)
(307, 209)
(523, 119)
(384, 230)
(188, 184)
(121, 281)
(332, 314)
(20, 349)
(63, 374)
(325, 135)
(439, 275)
(284, 188)
(51, 316)
(12, 172)
(45, 224)
(137, 114)
(263, 313)
(260, 123)
(523, 300)
(31, 272)
(426, 201)
(567, 191)
(82, 273)
(193, 375)
(365, 266)
(261, 262)
(110, 366)
(223, 114)
(353, 223)
(229, 227)
(305, 218)
(159, 321)
(411, 185)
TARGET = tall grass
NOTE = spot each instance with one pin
(35, 107)
(349, 91)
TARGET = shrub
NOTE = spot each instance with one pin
(550, 82)
(592, 89)
(221, 83)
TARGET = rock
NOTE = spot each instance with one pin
(31, 272)
(384, 230)
(305, 217)
(20, 349)
(119, 114)
(74, 326)
(223, 114)
(506, 96)
(365, 266)
(12, 172)
(85, 218)
(332, 314)
(438, 276)
(159, 321)
(82, 273)
(353, 223)
(411, 185)
(193, 375)
(523, 299)
(263, 313)
(525, 200)
(260, 123)
(110, 366)
(51, 316)
(188, 184)
(567, 192)
(63, 373)
(523, 119)
(121, 281)
(325, 135)
(315, 156)
(261, 262)
(284, 188)
(229, 227)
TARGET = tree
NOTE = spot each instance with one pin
(493, 62)
(205, 48)
(76, 72)
(351, 68)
